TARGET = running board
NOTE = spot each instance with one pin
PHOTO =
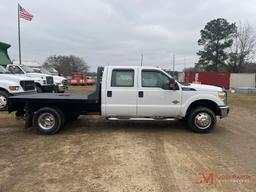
(140, 119)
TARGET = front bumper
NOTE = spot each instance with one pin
(24, 93)
(47, 88)
(224, 111)
(60, 88)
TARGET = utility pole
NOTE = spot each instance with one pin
(141, 60)
(185, 62)
(173, 64)
(19, 34)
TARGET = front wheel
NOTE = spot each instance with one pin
(48, 120)
(38, 89)
(3, 100)
(201, 120)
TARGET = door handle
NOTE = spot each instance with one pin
(109, 93)
(141, 94)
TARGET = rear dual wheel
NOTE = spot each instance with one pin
(48, 120)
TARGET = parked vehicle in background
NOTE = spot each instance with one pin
(78, 79)
(90, 81)
(131, 93)
(43, 82)
(60, 83)
(13, 85)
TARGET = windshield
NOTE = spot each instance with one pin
(45, 71)
(3, 70)
(27, 69)
(42, 70)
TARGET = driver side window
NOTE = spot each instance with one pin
(15, 70)
(152, 78)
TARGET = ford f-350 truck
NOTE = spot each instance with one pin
(127, 92)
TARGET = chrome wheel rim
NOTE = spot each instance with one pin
(3, 101)
(203, 120)
(46, 121)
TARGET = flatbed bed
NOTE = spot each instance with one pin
(66, 102)
(54, 97)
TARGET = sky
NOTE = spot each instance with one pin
(117, 32)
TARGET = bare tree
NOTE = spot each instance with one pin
(243, 49)
(66, 65)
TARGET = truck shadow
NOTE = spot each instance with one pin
(103, 125)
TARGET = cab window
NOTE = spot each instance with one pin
(15, 70)
(153, 78)
(122, 78)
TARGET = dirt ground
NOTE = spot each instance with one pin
(96, 155)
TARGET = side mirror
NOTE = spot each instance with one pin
(172, 84)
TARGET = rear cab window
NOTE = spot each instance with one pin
(122, 78)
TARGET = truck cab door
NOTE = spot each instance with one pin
(121, 92)
(155, 96)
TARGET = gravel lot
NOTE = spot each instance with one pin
(93, 154)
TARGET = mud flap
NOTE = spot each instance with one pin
(28, 116)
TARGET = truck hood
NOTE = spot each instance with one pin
(37, 75)
(200, 87)
(11, 77)
(58, 79)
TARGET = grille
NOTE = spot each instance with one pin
(65, 83)
(27, 85)
(49, 80)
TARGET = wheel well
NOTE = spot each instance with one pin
(2, 89)
(204, 103)
(38, 84)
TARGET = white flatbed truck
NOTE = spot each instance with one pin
(127, 92)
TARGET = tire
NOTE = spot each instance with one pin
(4, 100)
(48, 120)
(202, 120)
(38, 89)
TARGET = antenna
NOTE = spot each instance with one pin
(185, 62)
(141, 60)
(173, 64)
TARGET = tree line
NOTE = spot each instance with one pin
(226, 46)
(66, 65)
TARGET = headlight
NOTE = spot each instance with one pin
(222, 95)
(14, 88)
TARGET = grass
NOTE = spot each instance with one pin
(81, 89)
(242, 100)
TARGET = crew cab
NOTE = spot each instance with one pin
(43, 82)
(127, 92)
(60, 83)
(13, 85)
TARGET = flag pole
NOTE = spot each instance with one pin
(19, 33)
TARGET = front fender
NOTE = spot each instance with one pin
(198, 97)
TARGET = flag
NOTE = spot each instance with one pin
(25, 14)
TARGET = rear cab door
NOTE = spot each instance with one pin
(119, 91)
